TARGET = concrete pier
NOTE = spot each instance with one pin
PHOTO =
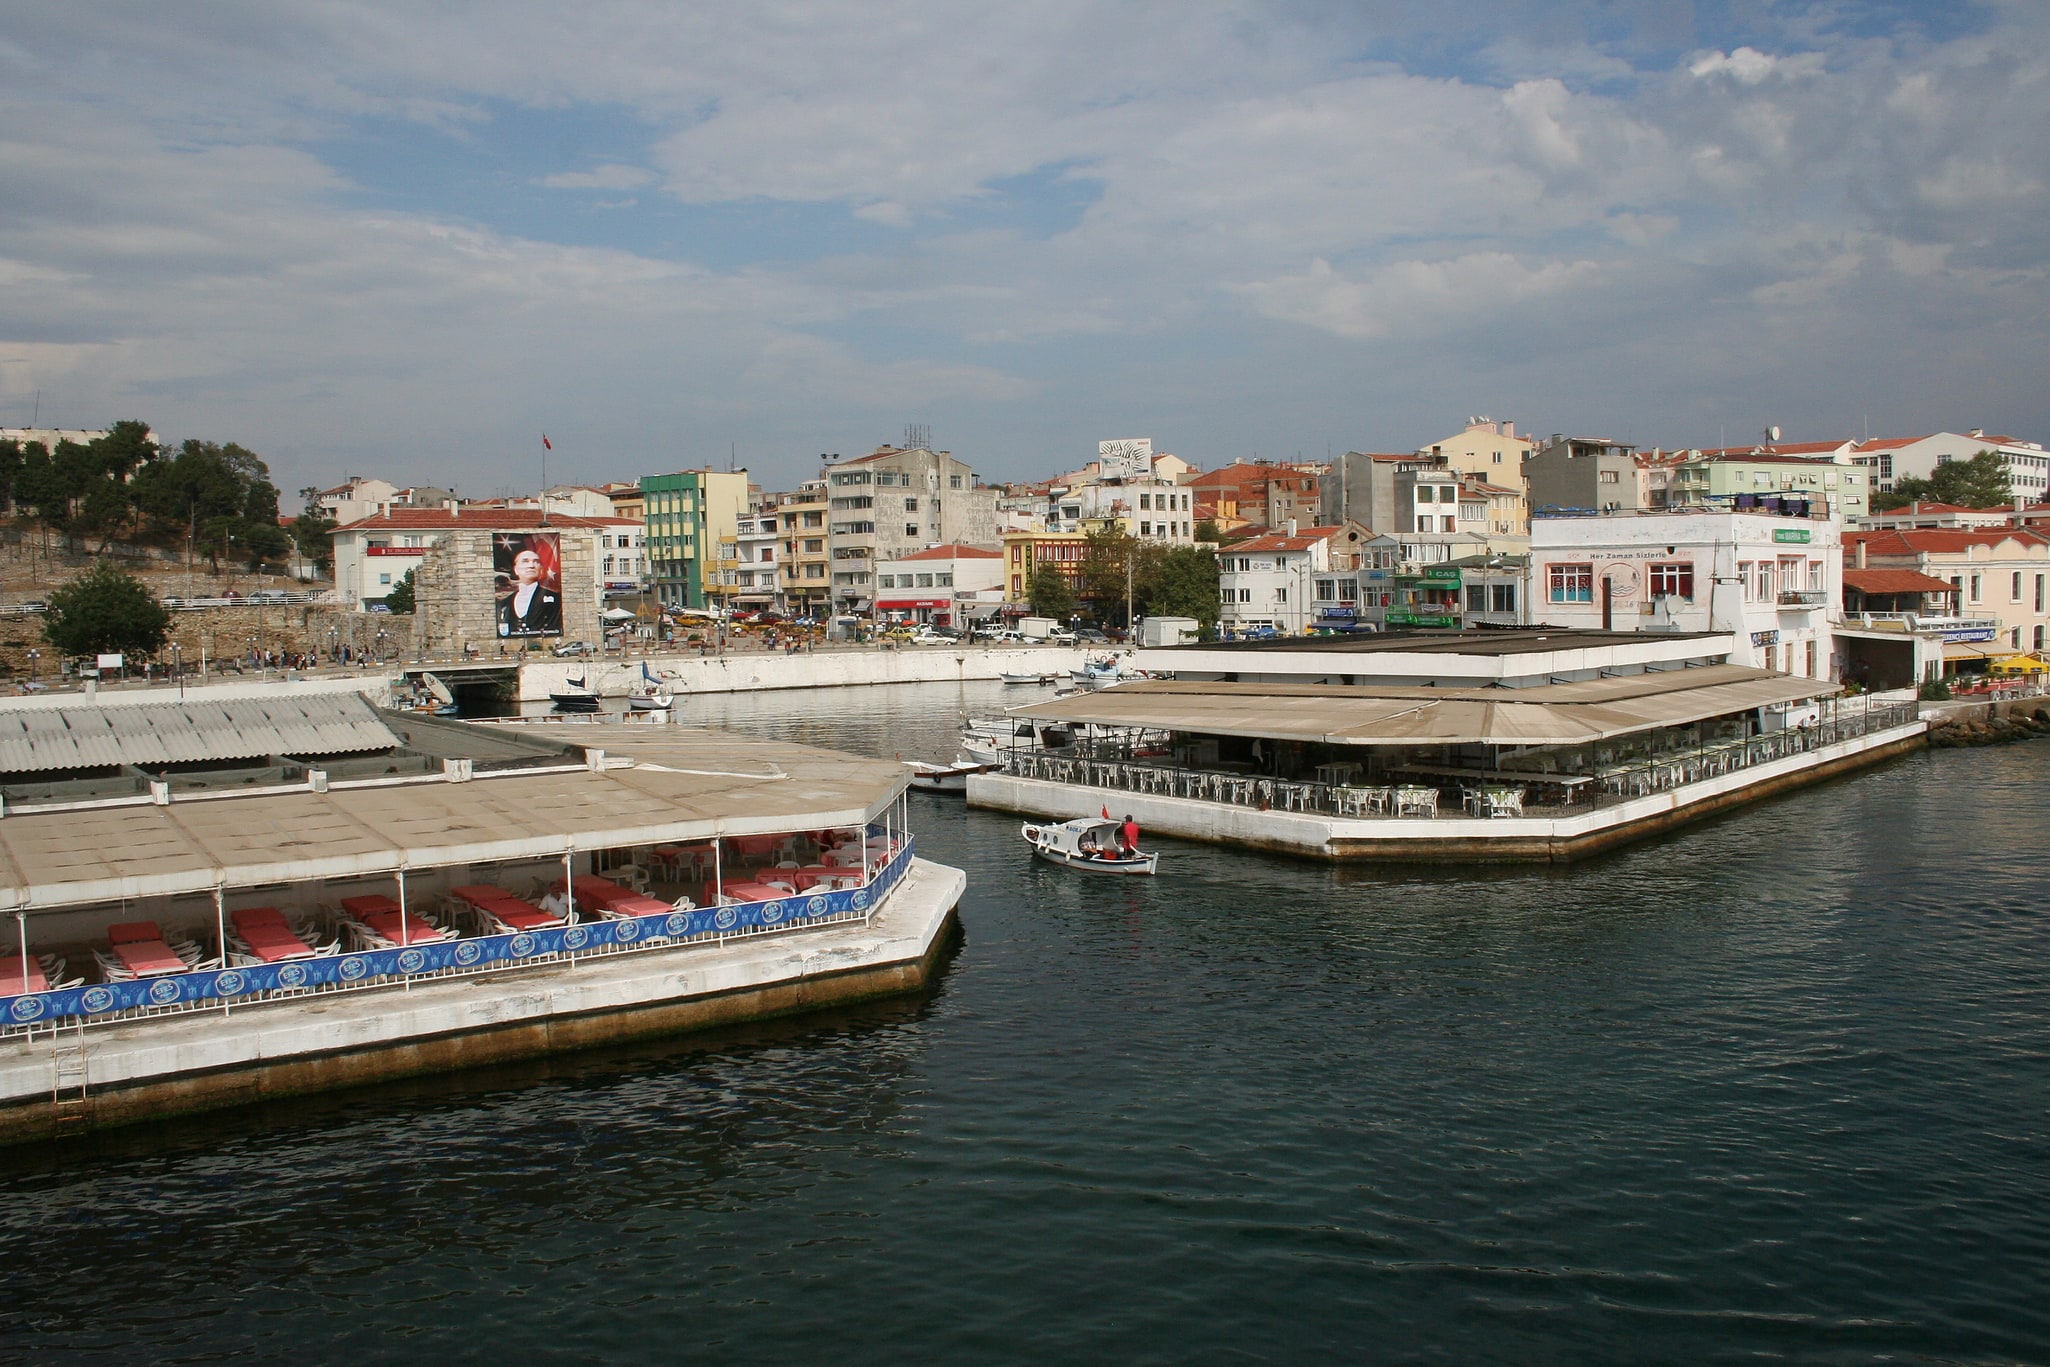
(144, 1069)
(756, 671)
(1542, 837)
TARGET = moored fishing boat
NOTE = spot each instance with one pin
(1089, 843)
(947, 778)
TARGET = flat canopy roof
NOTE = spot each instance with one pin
(87, 736)
(1554, 714)
(684, 785)
(1522, 641)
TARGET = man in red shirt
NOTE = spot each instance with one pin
(1128, 835)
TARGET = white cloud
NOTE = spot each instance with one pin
(1417, 298)
(612, 176)
(180, 243)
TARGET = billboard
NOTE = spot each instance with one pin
(527, 579)
(1125, 458)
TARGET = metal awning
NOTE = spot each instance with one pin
(1557, 714)
(90, 736)
(686, 785)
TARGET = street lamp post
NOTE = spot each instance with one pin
(334, 644)
(178, 666)
(254, 659)
(33, 656)
(380, 645)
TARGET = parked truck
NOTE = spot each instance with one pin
(1167, 631)
(1043, 629)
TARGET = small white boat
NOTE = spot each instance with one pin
(1087, 843)
(1040, 679)
(946, 778)
(650, 694)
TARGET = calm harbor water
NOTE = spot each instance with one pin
(1776, 1087)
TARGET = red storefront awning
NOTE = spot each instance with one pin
(905, 604)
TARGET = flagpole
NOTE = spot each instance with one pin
(545, 449)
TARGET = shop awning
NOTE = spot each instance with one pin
(2020, 664)
(1557, 714)
(1974, 650)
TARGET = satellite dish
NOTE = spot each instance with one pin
(1772, 434)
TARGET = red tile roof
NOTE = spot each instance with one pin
(957, 551)
(482, 519)
(1936, 540)
(1301, 541)
(1894, 581)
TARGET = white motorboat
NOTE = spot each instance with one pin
(1039, 679)
(1089, 843)
(946, 778)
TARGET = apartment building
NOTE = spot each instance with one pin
(687, 514)
(1894, 458)
(1769, 577)
(807, 558)
(894, 500)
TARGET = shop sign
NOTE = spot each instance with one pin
(1397, 617)
(1797, 536)
(1765, 638)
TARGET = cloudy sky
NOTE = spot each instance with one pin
(407, 238)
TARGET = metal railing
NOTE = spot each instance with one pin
(218, 988)
(1596, 785)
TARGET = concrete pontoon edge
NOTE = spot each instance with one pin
(155, 1068)
(1574, 834)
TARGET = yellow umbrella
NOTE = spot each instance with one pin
(2020, 664)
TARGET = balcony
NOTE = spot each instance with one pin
(1802, 598)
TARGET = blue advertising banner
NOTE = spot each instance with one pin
(227, 984)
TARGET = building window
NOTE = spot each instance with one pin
(1476, 598)
(1978, 587)
(1676, 580)
(910, 505)
(2017, 586)
(1503, 597)
(911, 530)
(925, 581)
(1571, 583)
(953, 481)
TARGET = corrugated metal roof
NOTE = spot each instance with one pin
(51, 740)
(1558, 714)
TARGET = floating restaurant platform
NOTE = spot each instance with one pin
(423, 896)
(1548, 748)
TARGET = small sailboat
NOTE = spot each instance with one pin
(649, 694)
(444, 696)
(1089, 843)
(574, 696)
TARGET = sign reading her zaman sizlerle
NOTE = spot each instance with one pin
(1125, 457)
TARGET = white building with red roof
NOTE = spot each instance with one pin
(1897, 458)
(1271, 580)
(946, 586)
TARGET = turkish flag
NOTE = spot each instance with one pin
(546, 444)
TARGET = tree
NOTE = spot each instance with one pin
(1208, 530)
(1048, 592)
(106, 609)
(1981, 482)
(400, 599)
(1184, 584)
(311, 530)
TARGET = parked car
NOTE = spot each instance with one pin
(1090, 636)
(576, 648)
(270, 596)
